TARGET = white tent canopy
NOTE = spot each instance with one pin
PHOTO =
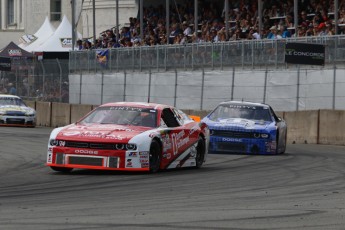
(42, 34)
(60, 40)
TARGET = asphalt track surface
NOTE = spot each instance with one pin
(302, 189)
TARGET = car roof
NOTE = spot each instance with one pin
(247, 103)
(8, 95)
(137, 104)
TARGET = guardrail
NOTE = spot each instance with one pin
(248, 54)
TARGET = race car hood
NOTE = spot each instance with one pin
(99, 132)
(15, 110)
(237, 123)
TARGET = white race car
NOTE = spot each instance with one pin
(14, 112)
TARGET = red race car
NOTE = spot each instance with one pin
(129, 136)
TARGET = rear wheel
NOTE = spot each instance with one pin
(200, 152)
(284, 148)
(155, 156)
(61, 169)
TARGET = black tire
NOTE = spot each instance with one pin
(61, 169)
(285, 141)
(155, 156)
(200, 152)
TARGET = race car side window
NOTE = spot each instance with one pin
(274, 115)
(169, 118)
(178, 117)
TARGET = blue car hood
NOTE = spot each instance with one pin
(238, 124)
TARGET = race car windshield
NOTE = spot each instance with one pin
(122, 116)
(241, 111)
(11, 101)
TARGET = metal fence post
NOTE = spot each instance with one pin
(149, 89)
(265, 86)
(242, 54)
(202, 88)
(80, 86)
(334, 86)
(57, 60)
(298, 83)
(124, 85)
(44, 77)
(102, 87)
(233, 83)
(175, 93)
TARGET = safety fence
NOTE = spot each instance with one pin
(245, 54)
(44, 80)
(285, 90)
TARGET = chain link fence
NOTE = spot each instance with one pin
(246, 54)
(45, 80)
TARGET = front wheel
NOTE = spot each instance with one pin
(155, 156)
(61, 169)
(200, 152)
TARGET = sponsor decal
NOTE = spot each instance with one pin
(14, 52)
(62, 143)
(95, 134)
(144, 157)
(144, 165)
(304, 53)
(225, 139)
(114, 137)
(132, 154)
(194, 129)
(129, 163)
(86, 151)
(126, 108)
(242, 106)
(66, 42)
(49, 157)
(168, 156)
(142, 154)
(144, 160)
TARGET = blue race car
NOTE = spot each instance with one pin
(245, 127)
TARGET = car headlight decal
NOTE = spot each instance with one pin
(119, 146)
(131, 147)
(54, 142)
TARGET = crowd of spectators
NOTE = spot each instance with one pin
(315, 18)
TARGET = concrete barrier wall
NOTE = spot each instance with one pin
(78, 111)
(302, 126)
(43, 113)
(61, 114)
(310, 127)
(332, 127)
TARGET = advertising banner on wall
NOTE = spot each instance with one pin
(5, 64)
(304, 53)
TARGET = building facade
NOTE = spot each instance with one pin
(20, 17)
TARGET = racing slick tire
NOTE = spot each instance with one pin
(61, 169)
(155, 156)
(200, 152)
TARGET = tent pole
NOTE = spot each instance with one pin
(73, 23)
(94, 20)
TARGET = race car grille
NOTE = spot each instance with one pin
(93, 161)
(225, 133)
(231, 147)
(237, 134)
(73, 144)
(15, 121)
